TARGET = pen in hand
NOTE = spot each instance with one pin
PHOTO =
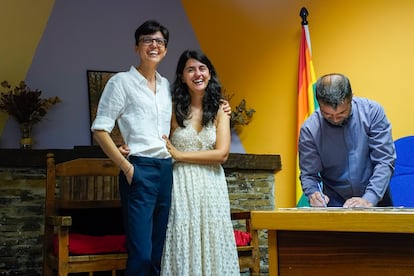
(322, 195)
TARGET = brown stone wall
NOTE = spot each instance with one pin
(21, 221)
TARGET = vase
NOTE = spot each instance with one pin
(26, 140)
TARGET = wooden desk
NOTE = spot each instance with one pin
(336, 241)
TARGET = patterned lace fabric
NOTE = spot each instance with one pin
(200, 239)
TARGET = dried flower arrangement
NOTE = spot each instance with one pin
(241, 115)
(26, 106)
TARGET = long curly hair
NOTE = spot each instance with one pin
(181, 96)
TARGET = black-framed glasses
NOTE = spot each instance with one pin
(149, 40)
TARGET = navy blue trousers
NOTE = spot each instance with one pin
(145, 205)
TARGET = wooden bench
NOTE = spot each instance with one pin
(82, 197)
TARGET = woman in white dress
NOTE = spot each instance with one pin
(200, 239)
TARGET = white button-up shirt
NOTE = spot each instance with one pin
(142, 115)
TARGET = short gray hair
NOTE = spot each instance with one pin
(333, 89)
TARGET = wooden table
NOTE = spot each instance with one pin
(337, 241)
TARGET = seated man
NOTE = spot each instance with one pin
(346, 146)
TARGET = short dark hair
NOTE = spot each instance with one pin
(150, 27)
(333, 89)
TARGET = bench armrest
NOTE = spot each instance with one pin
(59, 220)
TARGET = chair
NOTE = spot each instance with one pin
(402, 182)
(82, 215)
(249, 255)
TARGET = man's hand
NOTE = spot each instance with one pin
(357, 202)
(318, 200)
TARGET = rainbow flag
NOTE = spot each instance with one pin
(306, 94)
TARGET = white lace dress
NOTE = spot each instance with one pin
(200, 239)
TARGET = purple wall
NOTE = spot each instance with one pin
(91, 34)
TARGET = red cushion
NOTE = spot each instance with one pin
(80, 244)
(242, 238)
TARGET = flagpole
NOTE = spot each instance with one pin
(304, 15)
(306, 97)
